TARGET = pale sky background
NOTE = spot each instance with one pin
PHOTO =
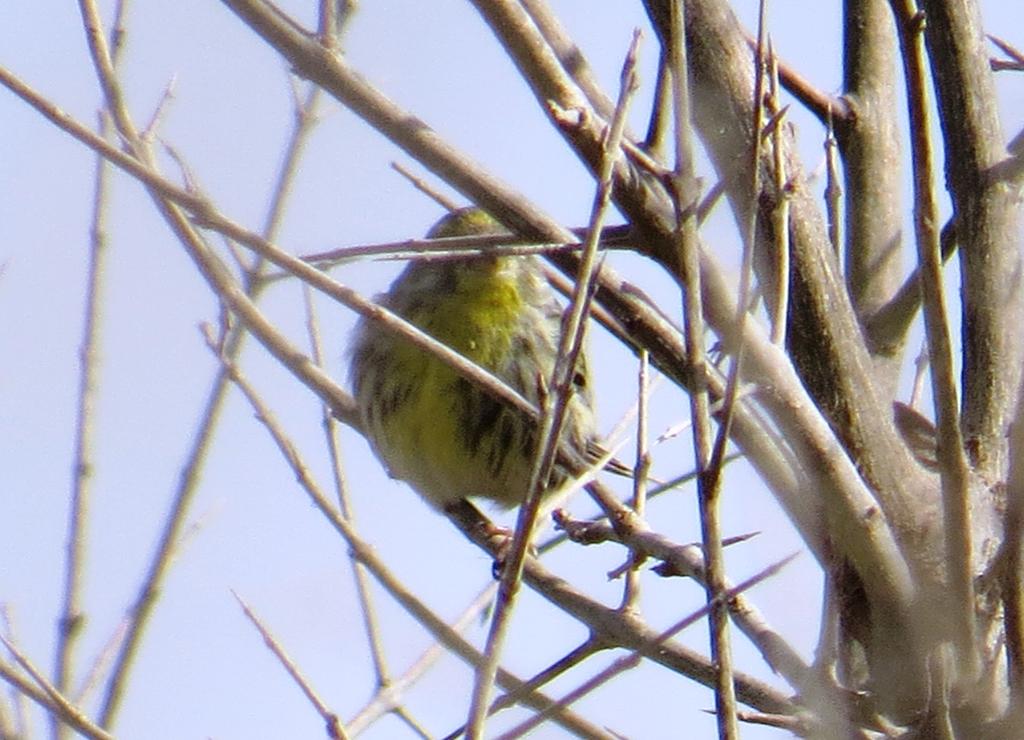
(204, 671)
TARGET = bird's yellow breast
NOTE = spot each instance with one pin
(424, 438)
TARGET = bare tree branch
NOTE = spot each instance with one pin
(988, 215)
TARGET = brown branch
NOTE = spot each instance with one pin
(424, 187)
(335, 729)
(71, 622)
(870, 145)
(1009, 49)
(44, 693)
(953, 462)
(367, 609)
(706, 448)
(833, 191)
(988, 213)
(818, 102)
(780, 212)
(569, 55)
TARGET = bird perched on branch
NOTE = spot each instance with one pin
(429, 425)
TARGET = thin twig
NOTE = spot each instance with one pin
(787, 722)
(952, 457)
(570, 56)
(10, 722)
(661, 489)
(58, 705)
(631, 596)
(71, 621)
(549, 434)
(1007, 48)
(780, 212)
(659, 124)
(100, 665)
(449, 247)
(749, 242)
(815, 100)
(327, 28)
(22, 716)
(920, 371)
(386, 698)
(149, 130)
(330, 426)
(335, 730)
(833, 189)
(424, 187)
(708, 451)
(107, 77)
(70, 624)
